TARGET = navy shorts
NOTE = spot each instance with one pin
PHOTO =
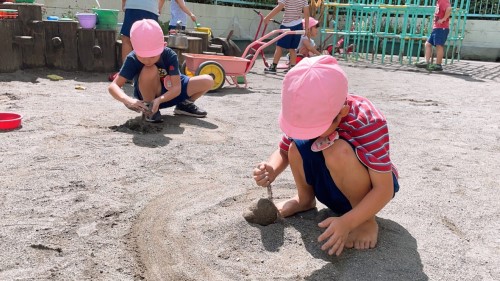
(318, 176)
(174, 27)
(180, 98)
(290, 41)
(133, 15)
(438, 36)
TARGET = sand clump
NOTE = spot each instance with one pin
(262, 211)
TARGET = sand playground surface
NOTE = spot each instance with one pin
(88, 193)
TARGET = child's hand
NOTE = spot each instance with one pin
(136, 105)
(261, 174)
(335, 235)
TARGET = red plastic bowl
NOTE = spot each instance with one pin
(10, 121)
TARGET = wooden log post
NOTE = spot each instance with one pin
(97, 50)
(61, 49)
(31, 36)
(194, 45)
(204, 38)
(10, 53)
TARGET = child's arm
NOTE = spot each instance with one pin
(123, 4)
(115, 89)
(185, 9)
(160, 5)
(310, 48)
(274, 12)
(266, 172)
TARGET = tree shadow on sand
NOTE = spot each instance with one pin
(152, 135)
(395, 257)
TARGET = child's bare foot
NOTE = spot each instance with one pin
(364, 236)
(292, 206)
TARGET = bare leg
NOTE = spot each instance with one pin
(304, 200)
(293, 57)
(126, 47)
(199, 85)
(428, 51)
(149, 83)
(277, 54)
(353, 180)
(439, 54)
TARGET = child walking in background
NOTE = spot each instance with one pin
(136, 10)
(337, 145)
(292, 19)
(157, 82)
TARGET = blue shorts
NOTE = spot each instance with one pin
(290, 41)
(174, 27)
(133, 15)
(318, 176)
(180, 98)
(438, 36)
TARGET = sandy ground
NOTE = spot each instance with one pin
(86, 193)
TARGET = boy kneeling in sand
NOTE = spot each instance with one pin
(337, 145)
(157, 81)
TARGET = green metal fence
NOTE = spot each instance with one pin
(388, 31)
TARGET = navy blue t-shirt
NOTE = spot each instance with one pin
(168, 64)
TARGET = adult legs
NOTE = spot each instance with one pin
(126, 47)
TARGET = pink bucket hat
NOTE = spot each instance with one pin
(312, 95)
(312, 22)
(147, 38)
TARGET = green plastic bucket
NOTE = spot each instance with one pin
(106, 18)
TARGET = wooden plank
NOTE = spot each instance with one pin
(86, 39)
(10, 53)
(105, 59)
(61, 44)
(34, 55)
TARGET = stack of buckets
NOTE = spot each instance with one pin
(106, 18)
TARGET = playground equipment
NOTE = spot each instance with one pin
(222, 67)
(388, 28)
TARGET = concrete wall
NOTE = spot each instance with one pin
(482, 38)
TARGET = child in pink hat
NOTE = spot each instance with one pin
(337, 145)
(307, 46)
(157, 80)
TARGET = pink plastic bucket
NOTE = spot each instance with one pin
(87, 20)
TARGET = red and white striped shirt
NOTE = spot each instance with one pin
(366, 129)
(293, 11)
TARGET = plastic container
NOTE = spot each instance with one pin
(10, 121)
(25, 1)
(87, 20)
(106, 18)
(8, 14)
(53, 18)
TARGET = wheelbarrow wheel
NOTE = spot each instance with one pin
(184, 70)
(215, 70)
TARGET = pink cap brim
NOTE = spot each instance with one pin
(150, 53)
(302, 133)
